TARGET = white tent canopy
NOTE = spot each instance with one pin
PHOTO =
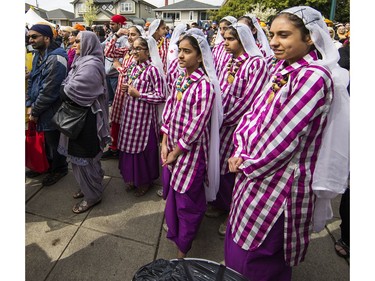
(33, 18)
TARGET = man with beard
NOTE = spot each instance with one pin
(43, 96)
(112, 74)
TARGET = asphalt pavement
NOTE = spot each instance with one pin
(122, 233)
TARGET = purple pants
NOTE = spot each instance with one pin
(184, 212)
(266, 263)
(224, 195)
(141, 168)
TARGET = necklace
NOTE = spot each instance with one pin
(232, 73)
(182, 89)
(277, 82)
(136, 75)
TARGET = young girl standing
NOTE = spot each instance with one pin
(158, 30)
(143, 90)
(189, 153)
(219, 54)
(276, 149)
(112, 51)
(244, 77)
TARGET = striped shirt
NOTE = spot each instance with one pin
(269, 59)
(163, 45)
(174, 71)
(221, 57)
(112, 51)
(279, 143)
(237, 98)
(139, 113)
(186, 123)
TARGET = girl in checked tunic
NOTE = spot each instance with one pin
(189, 152)
(158, 30)
(219, 54)
(260, 37)
(143, 90)
(276, 150)
(112, 51)
(244, 77)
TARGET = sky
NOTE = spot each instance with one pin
(65, 4)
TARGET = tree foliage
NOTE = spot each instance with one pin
(237, 8)
(90, 12)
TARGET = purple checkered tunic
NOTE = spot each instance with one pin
(237, 98)
(163, 51)
(279, 142)
(139, 113)
(221, 57)
(112, 51)
(172, 75)
(186, 123)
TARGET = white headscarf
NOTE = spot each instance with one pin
(173, 48)
(154, 54)
(156, 61)
(261, 35)
(247, 40)
(140, 29)
(332, 166)
(220, 38)
(153, 27)
(216, 117)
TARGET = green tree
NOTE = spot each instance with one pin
(238, 8)
(90, 12)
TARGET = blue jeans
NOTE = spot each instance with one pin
(112, 85)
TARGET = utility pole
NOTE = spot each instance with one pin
(333, 10)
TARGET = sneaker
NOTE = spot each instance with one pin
(31, 174)
(110, 154)
(53, 178)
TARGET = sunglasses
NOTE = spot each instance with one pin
(77, 41)
(34, 36)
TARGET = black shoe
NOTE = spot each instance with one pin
(32, 174)
(110, 154)
(53, 178)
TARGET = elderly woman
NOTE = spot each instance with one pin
(85, 87)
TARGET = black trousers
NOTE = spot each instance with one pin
(57, 162)
(345, 217)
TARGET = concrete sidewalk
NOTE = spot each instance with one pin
(121, 234)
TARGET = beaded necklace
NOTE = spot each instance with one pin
(136, 75)
(182, 89)
(274, 61)
(232, 73)
(277, 82)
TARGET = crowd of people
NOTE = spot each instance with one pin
(238, 119)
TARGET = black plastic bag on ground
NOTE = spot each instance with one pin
(186, 270)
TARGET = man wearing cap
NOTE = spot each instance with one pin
(43, 96)
(112, 74)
